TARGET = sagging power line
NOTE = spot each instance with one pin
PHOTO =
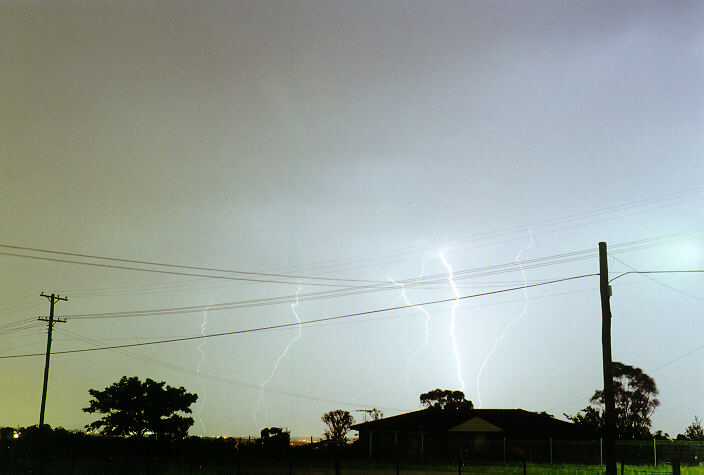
(386, 286)
(178, 266)
(308, 322)
(221, 379)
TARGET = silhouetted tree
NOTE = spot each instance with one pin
(590, 418)
(445, 399)
(338, 422)
(7, 433)
(376, 414)
(634, 398)
(275, 437)
(694, 431)
(135, 408)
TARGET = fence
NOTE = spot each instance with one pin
(76, 453)
(437, 448)
(633, 452)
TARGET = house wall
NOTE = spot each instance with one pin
(447, 445)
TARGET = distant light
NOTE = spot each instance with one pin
(16, 435)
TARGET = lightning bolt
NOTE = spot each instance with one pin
(281, 357)
(451, 278)
(200, 363)
(526, 302)
(427, 320)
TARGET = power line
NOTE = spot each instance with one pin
(177, 266)
(159, 271)
(658, 272)
(503, 302)
(35, 342)
(681, 357)
(230, 278)
(668, 200)
(308, 322)
(18, 307)
(29, 326)
(258, 302)
(652, 279)
(11, 324)
(431, 312)
(349, 290)
(691, 193)
(222, 379)
(386, 286)
(508, 267)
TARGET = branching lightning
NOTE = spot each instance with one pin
(200, 363)
(427, 322)
(451, 278)
(281, 357)
(526, 302)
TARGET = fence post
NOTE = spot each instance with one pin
(370, 444)
(550, 450)
(601, 451)
(655, 454)
(459, 458)
(504, 449)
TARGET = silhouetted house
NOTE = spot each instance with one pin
(473, 433)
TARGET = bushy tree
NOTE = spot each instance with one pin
(445, 399)
(7, 433)
(275, 437)
(590, 418)
(694, 431)
(634, 400)
(338, 422)
(135, 408)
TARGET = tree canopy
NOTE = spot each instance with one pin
(694, 431)
(338, 422)
(445, 399)
(275, 438)
(135, 408)
(634, 399)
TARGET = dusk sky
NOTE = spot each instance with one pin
(311, 159)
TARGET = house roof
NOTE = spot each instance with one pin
(471, 420)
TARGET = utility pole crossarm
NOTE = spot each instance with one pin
(51, 320)
(54, 297)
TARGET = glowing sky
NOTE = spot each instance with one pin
(350, 140)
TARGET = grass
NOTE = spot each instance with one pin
(513, 468)
(351, 467)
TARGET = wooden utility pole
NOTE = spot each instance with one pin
(609, 406)
(51, 321)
